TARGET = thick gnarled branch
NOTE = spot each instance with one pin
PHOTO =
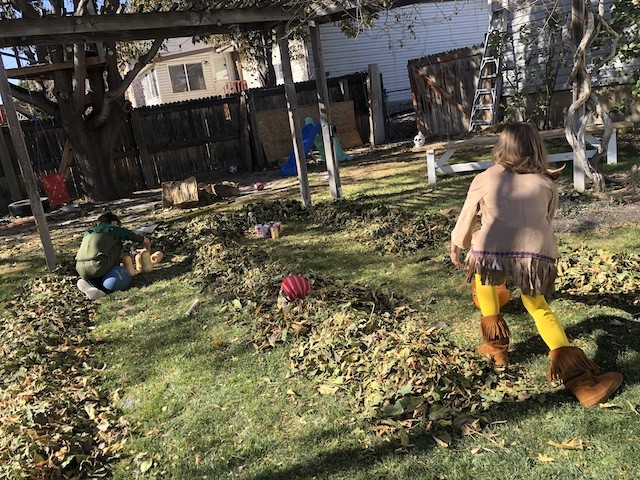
(114, 95)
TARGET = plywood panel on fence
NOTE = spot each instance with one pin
(276, 135)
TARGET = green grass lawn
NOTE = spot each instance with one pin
(203, 402)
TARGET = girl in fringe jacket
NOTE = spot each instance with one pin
(515, 200)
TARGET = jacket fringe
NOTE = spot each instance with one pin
(534, 276)
(568, 363)
(493, 327)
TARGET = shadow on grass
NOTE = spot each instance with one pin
(613, 335)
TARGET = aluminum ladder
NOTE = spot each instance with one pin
(486, 99)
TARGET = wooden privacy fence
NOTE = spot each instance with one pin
(442, 88)
(178, 140)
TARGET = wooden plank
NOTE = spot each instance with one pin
(273, 125)
(145, 161)
(180, 194)
(490, 140)
(246, 141)
(7, 168)
(65, 161)
(46, 70)
(53, 30)
(445, 94)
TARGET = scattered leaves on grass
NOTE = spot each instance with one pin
(593, 274)
(569, 444)
(55, 420)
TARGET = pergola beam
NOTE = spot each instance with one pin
(55, 30)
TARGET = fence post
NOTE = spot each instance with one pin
(7, 167)
(138, 135)
(255, 132)
(244, 132)
(376, 112)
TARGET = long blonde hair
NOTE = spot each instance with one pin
(520, 150)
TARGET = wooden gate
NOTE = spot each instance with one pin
(442, 88)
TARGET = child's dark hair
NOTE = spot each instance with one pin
(520, 150)
(109, 217)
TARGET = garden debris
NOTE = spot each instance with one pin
(191, 308)
(359, 342)
(180, 194)
(55, 420)
(593, 274)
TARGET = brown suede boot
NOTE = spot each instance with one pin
(578, 374)
(496, 335)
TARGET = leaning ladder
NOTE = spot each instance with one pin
(486, 99)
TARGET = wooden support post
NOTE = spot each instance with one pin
(612, 148)
(65, 162)
(376, 108)
(325, 114)
(145, 162)
(294, 121)
(28, 176)
(9, 172)
(431, 166)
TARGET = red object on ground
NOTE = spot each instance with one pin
(258, 186)
(503, 294)
(295, 287)
(55, 189)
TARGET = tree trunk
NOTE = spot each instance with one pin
(575, 122)
(264, 60)
(93, 150)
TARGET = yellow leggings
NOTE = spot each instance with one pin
(547, 323)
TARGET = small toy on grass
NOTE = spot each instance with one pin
(293, 288)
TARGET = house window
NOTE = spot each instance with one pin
(186, 77)
(150, 85)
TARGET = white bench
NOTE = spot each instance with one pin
(439, 154)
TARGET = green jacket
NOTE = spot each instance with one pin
(101, 249)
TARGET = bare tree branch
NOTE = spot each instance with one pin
(113, 96)
(37, 99)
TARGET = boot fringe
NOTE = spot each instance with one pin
(569, 362)
(493, 327)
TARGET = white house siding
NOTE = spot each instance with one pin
(213, 86)
(403, 34)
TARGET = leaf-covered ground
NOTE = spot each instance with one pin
(368, 345)
(56, 421)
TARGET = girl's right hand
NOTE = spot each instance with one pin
(455, 256)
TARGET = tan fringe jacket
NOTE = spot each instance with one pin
(515, 242)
